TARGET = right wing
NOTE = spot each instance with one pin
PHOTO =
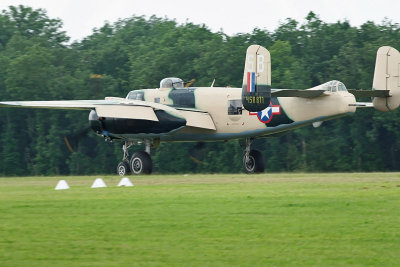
(61, 104)
(123, 108)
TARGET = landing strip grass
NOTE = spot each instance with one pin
(203, 220)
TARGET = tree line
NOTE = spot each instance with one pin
(37, 63)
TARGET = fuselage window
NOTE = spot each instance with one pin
(235, 107)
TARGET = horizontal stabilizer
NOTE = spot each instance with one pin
(369, 93)
(296, 93)
(362, 105)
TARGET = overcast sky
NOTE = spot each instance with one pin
(80, 17)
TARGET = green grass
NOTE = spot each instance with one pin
(203, 220)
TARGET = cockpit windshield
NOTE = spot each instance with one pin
(135, 95)
(334, 86)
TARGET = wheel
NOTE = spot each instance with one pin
(123, 168)
(254, 163)
(141, 163)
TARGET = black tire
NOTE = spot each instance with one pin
(141, 163)
(255, 162)
(123, 168)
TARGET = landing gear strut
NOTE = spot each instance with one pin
(140, 162)
(123, 167)
(253, 161)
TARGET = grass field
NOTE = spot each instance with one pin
(203, 220)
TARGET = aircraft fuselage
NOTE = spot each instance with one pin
(230, 119)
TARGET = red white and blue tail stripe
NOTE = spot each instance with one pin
(251, 81)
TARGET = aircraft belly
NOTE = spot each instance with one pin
(193, 136)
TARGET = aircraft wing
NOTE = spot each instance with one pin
(61, 104)
(296, 93)
(122, 108)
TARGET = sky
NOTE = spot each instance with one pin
(80, 17)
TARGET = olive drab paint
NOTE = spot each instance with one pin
(256, 86)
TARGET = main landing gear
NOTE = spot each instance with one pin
(253, 160)
(139, 163)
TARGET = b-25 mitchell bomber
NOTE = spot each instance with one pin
(175, 113)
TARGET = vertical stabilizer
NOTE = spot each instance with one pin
(256, 86)
(386, 77)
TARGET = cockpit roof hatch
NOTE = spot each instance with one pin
(172, 82)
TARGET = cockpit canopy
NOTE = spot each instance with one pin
(172, 82)
(135, 95)
(333, 86)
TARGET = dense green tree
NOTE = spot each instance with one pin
(134, 53)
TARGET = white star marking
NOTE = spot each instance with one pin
(265, 112)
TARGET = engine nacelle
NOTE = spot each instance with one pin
(95, 123)
(109, 126)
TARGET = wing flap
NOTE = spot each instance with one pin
(127, 112)
(198, 119)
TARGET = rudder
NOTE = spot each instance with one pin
(256, 86)
(387, 77)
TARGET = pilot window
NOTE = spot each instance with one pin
(135, 95)
(235, 107)
(341, 87)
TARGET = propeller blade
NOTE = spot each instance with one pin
(197, 153)
(72, 140)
